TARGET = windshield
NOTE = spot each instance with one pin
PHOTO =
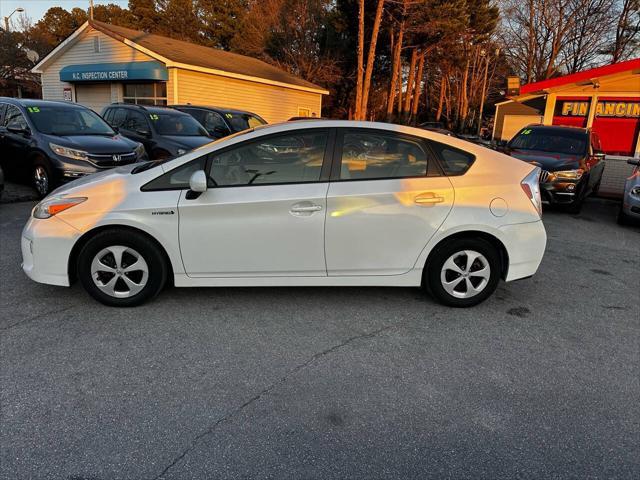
(242, 121)
(177, 124)
(554, 141)
(61, 120)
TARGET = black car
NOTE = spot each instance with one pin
(56, 142)
(221, 122)
(164, 132)
(571, 160)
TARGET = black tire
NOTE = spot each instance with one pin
(623, 218)
(139, 244)
(41, 178)
(437, 259)
(575, 207)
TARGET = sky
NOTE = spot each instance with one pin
(35, 9)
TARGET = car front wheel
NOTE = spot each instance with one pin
(463, 272)
(41, 178)
(121, 268)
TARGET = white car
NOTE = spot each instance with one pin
(313, 203)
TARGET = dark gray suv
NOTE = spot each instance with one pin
(164, 132)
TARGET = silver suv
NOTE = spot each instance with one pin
(630, 206)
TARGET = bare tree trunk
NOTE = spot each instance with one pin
(443, 87)
(531, 40)
(418, 89)
(412, 74)
(370, 58)
(396, 70)
(464, 98)
(358, 105)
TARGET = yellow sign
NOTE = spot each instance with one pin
(603, 109)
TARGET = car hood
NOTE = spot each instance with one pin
(97, 178)
(549, 161)
(95, 143)
(189, 142)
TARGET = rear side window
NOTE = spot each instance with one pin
(370, 155)
(453, 160)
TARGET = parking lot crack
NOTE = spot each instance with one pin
(36, 317)
(239, 409)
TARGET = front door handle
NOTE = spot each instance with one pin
(428, 198)
(304, 209)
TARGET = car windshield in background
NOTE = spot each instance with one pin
(568, 142)
(176, 124)
(243, 121)
(61, 120)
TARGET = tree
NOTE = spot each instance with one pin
(626, 41)
(220, 20)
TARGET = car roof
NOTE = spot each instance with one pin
(28, 102)
(215, 109)
(148, 108)
(557, 127)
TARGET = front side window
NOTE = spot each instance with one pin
(373, 155)
(118, 117)
(137, 122)
(243, 121)
(63, 120)
(288, 158)
(14, 118)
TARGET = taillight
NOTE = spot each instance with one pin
(531, 187)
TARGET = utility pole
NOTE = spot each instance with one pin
(483, 53)
(91, 9)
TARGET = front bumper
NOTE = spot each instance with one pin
(525, 244)
(46, 247)
(631, 205)
(558, 193)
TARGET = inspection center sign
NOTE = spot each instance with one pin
(114, 72)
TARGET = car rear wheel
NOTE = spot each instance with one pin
(121, 268)
(463, 272)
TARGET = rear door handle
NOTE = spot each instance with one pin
(304, 209)
(428, 198)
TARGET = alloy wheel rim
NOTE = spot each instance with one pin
(465, 274)
(119, 271)
(41, 180)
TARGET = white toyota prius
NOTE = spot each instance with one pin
(313, 203)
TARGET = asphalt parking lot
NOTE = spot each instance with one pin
(540, 381)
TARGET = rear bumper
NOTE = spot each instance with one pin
(525, 244)
(46, 246)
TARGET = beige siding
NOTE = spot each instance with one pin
(273, 103)
(82, 52)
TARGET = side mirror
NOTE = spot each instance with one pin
(635, 163)
(19, 130)
(599, 156)
(197, 185)
(144, 133)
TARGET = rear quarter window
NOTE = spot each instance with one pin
(454, 161)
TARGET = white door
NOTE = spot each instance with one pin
(95, 96)
(266, 214)
(386, 206)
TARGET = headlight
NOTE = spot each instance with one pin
(635, 191)
(181, 151)
(139, 151)
(49, 208)
(569, 174)
(68, 152)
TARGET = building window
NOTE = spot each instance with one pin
(97, 47)
(153, 93)
(304, 112)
